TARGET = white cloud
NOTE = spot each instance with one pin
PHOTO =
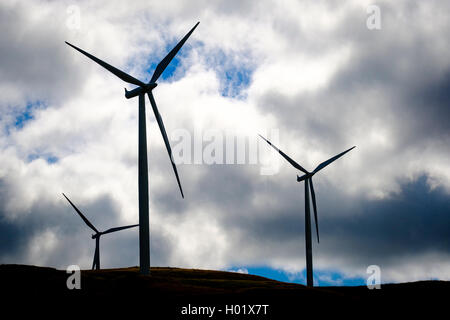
(239, 270)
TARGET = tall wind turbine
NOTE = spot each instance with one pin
(97, 235)
(141, 90)
(307, 177)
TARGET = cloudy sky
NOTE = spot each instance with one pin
(311, 75)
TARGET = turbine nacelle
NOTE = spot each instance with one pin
(140, 90)
(305, 176)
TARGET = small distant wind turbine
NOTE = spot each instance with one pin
(307, 177)
(97, 235)
(141, 90)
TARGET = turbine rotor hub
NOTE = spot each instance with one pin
(305, 176)
(140, 90)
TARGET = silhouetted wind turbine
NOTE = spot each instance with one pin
(141, 90)
(97, 235)
(307, 177)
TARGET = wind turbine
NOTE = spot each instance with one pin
(97, 235)
(307, 177)
(141, 90)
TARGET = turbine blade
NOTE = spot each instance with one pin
(119, 73)
(292, 162)
(165, 62)
(89, 224)
(164, 134)
(325, 163)
(313, 196)
(119, 228)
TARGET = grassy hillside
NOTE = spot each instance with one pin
(168, 290)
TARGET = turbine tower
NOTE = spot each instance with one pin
(97, 235)
(307, 177)
(140, 91)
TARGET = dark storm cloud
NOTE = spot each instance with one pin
(431, 104)
(13, 238)
(406, 66)
(415, 221)
(224, 182)
(416, 93)
(118, 249)
(101, 212)
(72, 235)
(229, 194)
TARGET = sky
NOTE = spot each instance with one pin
(315, 77)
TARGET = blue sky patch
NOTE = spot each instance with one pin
(234, 75)
(321, 277)
(236, 80)
(28, 114)
(47, 157)
(169, 72)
